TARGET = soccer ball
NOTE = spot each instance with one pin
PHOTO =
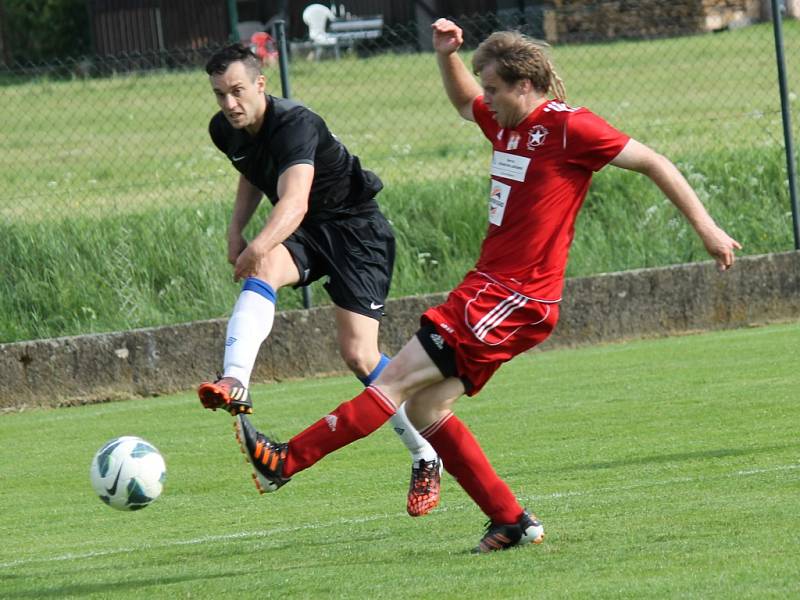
(128, 473)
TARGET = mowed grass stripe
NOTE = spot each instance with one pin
(557, 496)
(661, 468)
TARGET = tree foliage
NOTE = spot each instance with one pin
(37, 30)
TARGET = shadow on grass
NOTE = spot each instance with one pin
(135, 586)
(675, 457)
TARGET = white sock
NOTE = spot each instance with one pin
(248, 327)
(419, 447)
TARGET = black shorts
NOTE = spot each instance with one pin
(356, 253)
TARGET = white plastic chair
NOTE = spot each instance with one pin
(316, 17)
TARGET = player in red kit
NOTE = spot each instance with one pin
(544, 155)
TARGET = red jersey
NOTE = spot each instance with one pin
(540, 173)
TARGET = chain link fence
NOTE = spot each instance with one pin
(104, 137)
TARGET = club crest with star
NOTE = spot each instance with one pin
(536, 136)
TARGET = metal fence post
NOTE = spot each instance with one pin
(233, 19)
(279, 31)
(791, 171)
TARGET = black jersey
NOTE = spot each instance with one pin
(292, 134)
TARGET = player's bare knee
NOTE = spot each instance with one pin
(399, 383)
(422, 410)
(278, 268)
(271, 274)
(357, 361)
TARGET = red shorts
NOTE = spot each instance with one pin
(487, 324)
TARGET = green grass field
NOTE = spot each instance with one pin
(661, 469)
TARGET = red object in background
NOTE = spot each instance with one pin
(264, 47)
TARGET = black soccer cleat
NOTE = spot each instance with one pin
(266, 456)
(528, 530)
(227, 393)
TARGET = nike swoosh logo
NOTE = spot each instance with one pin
(238, 158)
(374, 306)
(113, 489)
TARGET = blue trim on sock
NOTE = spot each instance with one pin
(260, 287)
(376, 371)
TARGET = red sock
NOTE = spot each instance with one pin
(349, 422)
(464, 459)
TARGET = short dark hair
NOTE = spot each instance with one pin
(224, 57)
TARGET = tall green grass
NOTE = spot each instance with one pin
(113, 202)
(136, 269)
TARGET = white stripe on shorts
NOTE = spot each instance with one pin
(496, 316)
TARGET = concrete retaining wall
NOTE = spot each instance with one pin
(148, 362)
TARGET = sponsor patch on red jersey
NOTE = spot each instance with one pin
(540, 174)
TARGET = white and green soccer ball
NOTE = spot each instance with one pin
(128, 473)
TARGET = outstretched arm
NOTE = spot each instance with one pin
(459, 83)
(642, 159)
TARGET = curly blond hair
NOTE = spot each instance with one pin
(517, 56)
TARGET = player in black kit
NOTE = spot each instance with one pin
(325, 222)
